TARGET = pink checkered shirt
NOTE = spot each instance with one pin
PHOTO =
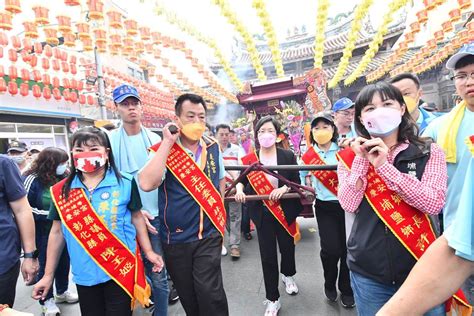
(427, 195)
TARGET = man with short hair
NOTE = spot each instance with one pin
(18, 152)
(231, 156)
(130, 145)
(409, 86)
(343, 110)
(188, 171)
(17, 229)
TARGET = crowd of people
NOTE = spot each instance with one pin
(129, 211)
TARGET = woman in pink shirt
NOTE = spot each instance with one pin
(390, 177)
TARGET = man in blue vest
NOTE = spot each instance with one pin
(191, 243)
(130, 143)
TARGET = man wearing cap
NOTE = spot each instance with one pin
(18, 152)
(17, 229)
(130, 143)
(33, 153)
(344, 120)
(409, 86)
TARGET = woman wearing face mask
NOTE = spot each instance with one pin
(95, 213)
(329, 214)
(49, 167)
(272, 227)
(393, 180)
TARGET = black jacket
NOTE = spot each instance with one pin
(372, 249)
(291, 207)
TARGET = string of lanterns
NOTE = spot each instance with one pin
(272, 41)
(321, 18)
(374, 46)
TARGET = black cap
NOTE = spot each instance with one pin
(17, 146)
(324, 115)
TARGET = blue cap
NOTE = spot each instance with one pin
(466, 50)
(124, 91)
(342, 104)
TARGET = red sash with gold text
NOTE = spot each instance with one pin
(327, 177)
(108, 252)
(411, 226)
(195, 181)
(262, 186)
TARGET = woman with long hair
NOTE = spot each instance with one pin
(393, 180)
(328, 211)
(96, 214)
(275, 219)
(49, 167)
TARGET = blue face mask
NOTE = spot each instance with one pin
(61, 169)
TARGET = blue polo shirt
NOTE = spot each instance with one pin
(114, 201)
(456, 171)
(424, 119)
(11, 189)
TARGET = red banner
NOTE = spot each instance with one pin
(327, 177)
(195, 181)
(110, 253)
(262, 186)
(411, 226)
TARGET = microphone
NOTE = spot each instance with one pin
(173, 129)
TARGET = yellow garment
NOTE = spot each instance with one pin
(449, 131)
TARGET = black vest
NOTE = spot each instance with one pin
(372, 249)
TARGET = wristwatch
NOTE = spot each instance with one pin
(32, 255)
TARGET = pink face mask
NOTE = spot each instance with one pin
(382, 122)
(266, 140)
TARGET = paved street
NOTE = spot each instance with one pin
(243, 281)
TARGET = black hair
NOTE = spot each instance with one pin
(232, 131)
(193, 98)
(335, 135)
(406, 75)
(264, 120)
(44, 166)
(87, 136)
(463, 62)
(407, 130)
(222, 126)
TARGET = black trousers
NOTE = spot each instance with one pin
(104, 299)
(8, 285)
(195, 269)
(332, 232)
(245, 224)
(269, 232)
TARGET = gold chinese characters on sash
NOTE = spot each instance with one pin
(327, 177)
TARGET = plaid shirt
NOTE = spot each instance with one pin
(427, 195)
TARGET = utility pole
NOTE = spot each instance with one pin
(101, 85)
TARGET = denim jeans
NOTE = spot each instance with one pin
(61, 275)
(159, 281)
(371, 295)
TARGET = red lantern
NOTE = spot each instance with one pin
(55, 64)
(139, 47)
(100, 36)
(13, 87)
(157, 53)
(470, 29)
(128, 44)
(131, 27)
(73, 96)
(38, 47)
(422, 16)
(83, 30)
(73, 69)
(12, 72)
(41, 14)
(82, 99)
(31, 30)
(80, 86)
(45, 63)
(57, 94)
(2, 71)
(72, 3)
(73, 84)
(36, 75)
(72, 59)
(13, 6)
(51, 36)
(33, 61)
(46, 79)
(145, 33)
(36, 91)
(6, 21)
(3, 85)
(156, 38)
(96, 8)
(87, 45)
(25, 75)
(64, 24)
(12, 55)
(149, 48)
(56, 83)
(115, 40)
(16, 42)
(464, 4)
(47, 93)
(115, 19)
(24, 89)
(101, 47)
(66, 94)
(90, 99)
(439, 35)
(27, 44)
(65, 67)
(464, 36)
(69, 39)
(3, 39)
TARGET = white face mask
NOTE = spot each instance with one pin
(18, 159)
(61, 169)
(381, 122)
